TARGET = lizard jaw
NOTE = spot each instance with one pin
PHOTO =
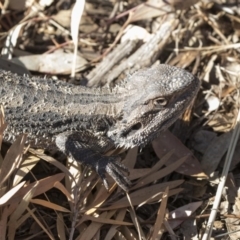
(131, 134)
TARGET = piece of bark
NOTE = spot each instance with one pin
(147, 54)
(117, 63)
(123, 50)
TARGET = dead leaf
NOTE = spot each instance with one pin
(150, 193)
(202, 140)
(58, 62)
(12, 159)
(8, 65)
(94, 227)
(181, 4)
(21, 207)
(49, 205)
(61, 226)
(17, 5)
(159, 174)
(182, 212)
(26, 166)
(114, 228)
(166, 142)
(215, 152)
(150, 9)
(160, 215)
(42, 186)
(5, 198)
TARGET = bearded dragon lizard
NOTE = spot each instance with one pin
(84, 122)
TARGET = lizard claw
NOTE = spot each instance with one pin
(115, 169)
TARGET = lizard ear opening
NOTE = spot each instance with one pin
(137, 126)
(133, 129)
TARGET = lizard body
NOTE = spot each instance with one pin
(86, 122)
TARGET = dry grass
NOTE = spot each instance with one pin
(175, 184)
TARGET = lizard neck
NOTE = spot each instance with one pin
(104, 101)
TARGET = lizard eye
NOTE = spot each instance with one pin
(160, 102)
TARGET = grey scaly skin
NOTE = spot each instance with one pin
(84, 123)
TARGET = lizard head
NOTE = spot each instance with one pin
(157, 97)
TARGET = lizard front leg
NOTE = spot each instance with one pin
(88, 149)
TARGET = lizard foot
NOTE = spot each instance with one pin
(85, 148)
(115, 169)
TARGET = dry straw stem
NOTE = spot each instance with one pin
(135, 219)
(77, 12)
(222, 180)
(160, 216)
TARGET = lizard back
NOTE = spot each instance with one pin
(42, 108)
(130, 114)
